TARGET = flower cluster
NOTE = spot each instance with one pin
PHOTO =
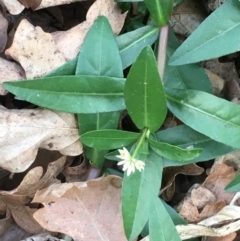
(129, 163)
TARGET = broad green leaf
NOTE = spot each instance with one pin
(191, 76)
(215, 37)
(99, 54)
(137, 191)
(74, 94)
(89, 122)
(96, 59)
(160, 10)
(143, 92)
(234, 185)
(130, 44)
(161, 226)
(109, 139)
(174, 153)
(185, 137)
(212, 116)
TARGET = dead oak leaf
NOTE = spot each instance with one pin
(35, 50)
(22, 132)
(69, 42)
(13, 6)
(85, 211)
(9, 71)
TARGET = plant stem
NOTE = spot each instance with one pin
(162, 49)
(140, 141)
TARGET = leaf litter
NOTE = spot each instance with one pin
(86, 209)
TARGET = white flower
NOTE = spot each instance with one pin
(129, 163)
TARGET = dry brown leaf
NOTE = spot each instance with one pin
(43, 237)
(3, 32)
(34, 179)
(218, 180)
(226, 71)
(229, 237)
(13, 6)
(69, 42)
(33, 4)
(169, 175)
(76, 173)
(35, 50)
(24, 131)
(230, 213)
(216, 82)
(9, 71)
(212, 5)
(50, 3)
(85, 211)
(187, 16)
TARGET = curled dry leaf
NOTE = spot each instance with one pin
(83, 210)
(35, 50)
(169, 175)
(9, 71)
(34, 180)
(22, 215)
(69, 42)
(187, 16)
(13, 6)
(24, 131)
(3, 32)
(212, 5)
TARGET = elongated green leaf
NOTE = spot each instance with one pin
(173, 153)
(191, 76)
(109, 139)
(234, 185)
(185, 137)
(100, 57)
(96, 59)
(207, 114)
(160, 10)
(213, 38)
(137, 190)
(74, 94)
(131, 44)
(143, 92)
(161, 226)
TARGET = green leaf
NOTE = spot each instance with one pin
(109, 139)
(207, 114)
(143, 92)
(101, 57)
(68, 68)
(160, 10)
(191, 76)
(96, 59)
(174, 153)
(234, 185)
(213, 38)
(183, 136)
(74, 94)
(161, 226)
(137, 191)
(131, 43)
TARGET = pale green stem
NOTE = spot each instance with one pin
(162, 50)
(140, 141)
